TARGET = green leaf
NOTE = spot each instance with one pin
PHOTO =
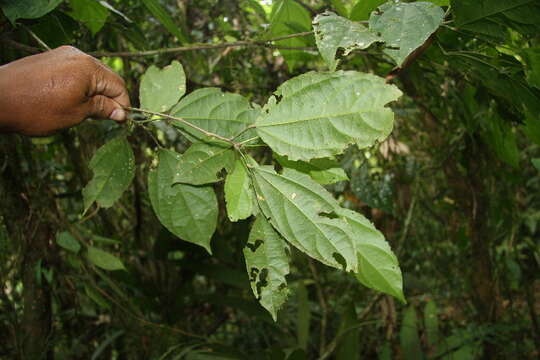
(103, 259)
(406, 26)
(221, 113)
(440, 2)
(27, 9)
(531, 127)
(257, 8)
(340, 7)
(91, 13)
(501, 139)
(161, 89)
(289, 17)
(323, 171)
(536, 163)
(267, 265)
(349, 334)
(55, 29)
(363, 9)
(334, 32)
(385, 351)
(431, 323)
(68, 242)
(165, 19)
(238, 193)
(201, 164)
(462, 345)
(377, 265)
(408, 336)
(531, 56)
(96, 297)
(189, 212)
(320, 114)
(468, 11)
(113, 165)
(302, 211)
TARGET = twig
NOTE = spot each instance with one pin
(323, 305)
(407, 223)
(252, 126)
(19, 46)
(187, 123)
(194, 47)
(240, 144)
(39, 41)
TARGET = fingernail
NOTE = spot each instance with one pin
(118, 115)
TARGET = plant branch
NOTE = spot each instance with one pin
(37, 38)
(187, 123)
(194, 47)
(252, 126)
(240, 144)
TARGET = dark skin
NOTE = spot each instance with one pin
(56, 90)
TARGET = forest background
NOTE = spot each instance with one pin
(453, 189)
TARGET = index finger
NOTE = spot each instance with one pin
(108, 83)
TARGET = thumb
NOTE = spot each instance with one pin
(101, 106)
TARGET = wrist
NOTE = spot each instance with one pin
(6, 120)
(13, 103)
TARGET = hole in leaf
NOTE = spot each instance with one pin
(329, 215)
(340, 260)
(339, 53)
(221, 173)
(255, 246)
(253, 272)
(263, 275)
(282, 286)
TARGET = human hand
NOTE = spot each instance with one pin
(58, 89)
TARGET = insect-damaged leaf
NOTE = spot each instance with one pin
(189, 212)
(221, 113)
(201, 164)
(309, 218)
(333, 32)
(161, 89)
(320, 114)
(301, 210)
(405, 26)
(267, 265)
(113, 165)
(377, 265)
(238, 193)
